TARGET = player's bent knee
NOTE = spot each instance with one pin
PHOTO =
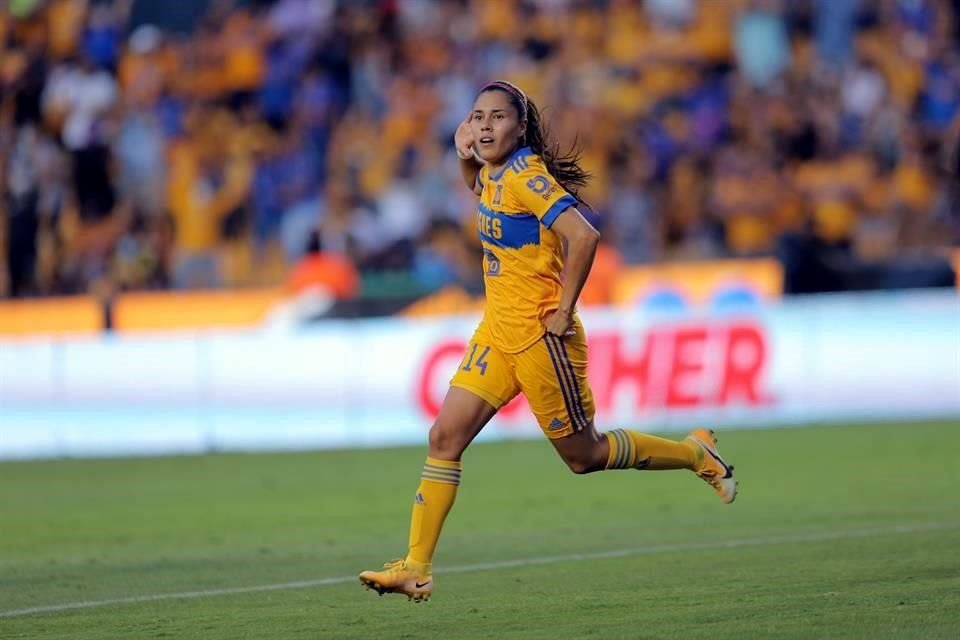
(580, 466)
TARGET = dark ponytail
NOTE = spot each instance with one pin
(564, 167)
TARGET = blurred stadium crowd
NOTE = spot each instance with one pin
(136, 156)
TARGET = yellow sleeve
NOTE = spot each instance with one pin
(538, 192)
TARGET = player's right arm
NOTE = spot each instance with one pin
(469, 167)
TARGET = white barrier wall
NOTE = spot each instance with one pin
(380, 382)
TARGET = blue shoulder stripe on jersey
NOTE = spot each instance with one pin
(520, 153)
(515, 230)
(556, 209)
(519, 163)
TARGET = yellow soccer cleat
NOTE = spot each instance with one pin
(399, 577)
(713, 469)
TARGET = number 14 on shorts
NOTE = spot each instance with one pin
(480, 361)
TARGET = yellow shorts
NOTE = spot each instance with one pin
(551, 373)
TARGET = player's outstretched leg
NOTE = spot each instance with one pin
(589, 451)
(461, 418)
(559, 365)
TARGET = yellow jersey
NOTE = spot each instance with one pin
(522, 257)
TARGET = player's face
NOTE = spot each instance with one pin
(496, 126)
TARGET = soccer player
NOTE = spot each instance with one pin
(530, 340)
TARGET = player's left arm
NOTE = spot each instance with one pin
(539, 192)
(582, 240)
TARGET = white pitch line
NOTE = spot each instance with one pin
(508, 564)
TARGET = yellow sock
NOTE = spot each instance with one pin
(635, 450)
(435, 496)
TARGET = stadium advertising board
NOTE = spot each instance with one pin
(379, 383)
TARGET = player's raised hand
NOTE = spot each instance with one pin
(464, 139)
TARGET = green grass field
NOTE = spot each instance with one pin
(842, 532)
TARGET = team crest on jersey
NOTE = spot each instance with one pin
(498, 194)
